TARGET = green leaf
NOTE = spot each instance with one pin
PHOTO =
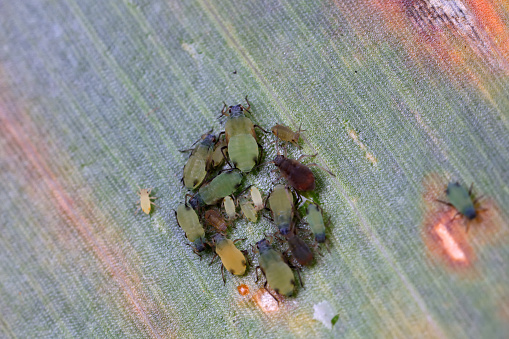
(397, 100)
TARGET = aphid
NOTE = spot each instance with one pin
(248, 209)
(300, 250)
(461, 200)
(189, 222)
(241, 137)
(230, 208)
(224, 184)
(220, 151)
(315, 221)
(257, 198)
(286, 134)
(281, 206)
(145, 200)
(277, 272)
(231, 257)
(198, 163)
(298, 175)
(216, 220)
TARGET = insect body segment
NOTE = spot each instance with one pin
(224, 184)
(315, 221)
(281, 205)
(231, 257)
(188, 221)
(241, 138)
(277, 272)
(145, 200)
(196, 167)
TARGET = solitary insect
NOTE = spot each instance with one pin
(241, 137)
(257, 198)
(216, 220)
(461, 200)
(220, 152)
(189, 222)
(286, 134)
(224, 184)
(315, 221)
(145, 200)
(277, 272)
(300, 250)
(232, 258)
(230, 208)
(198, 163)
(282, 209)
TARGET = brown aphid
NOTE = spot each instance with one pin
(298, 175)
(286, 134)
(300, 250)
(216, 220)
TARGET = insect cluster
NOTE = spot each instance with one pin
(215, 172)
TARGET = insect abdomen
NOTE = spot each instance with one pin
(243, 151)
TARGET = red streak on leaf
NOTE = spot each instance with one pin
(19, 131)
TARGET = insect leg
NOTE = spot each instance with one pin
(222, 274)
(260, 127)
(326, 170)
(444, 202)
(266, 289)
(225, 157)
(215, 256)
(307, 156)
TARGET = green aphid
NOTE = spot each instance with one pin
(199, 161)
(315, 221)
(461, 200)
(248, 209)
(241, 137)
(277, 272)
(282, 209)
(189, 222)
(221, 186)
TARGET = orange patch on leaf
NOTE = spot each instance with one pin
(455, 32)
(445, 237)
(265, 301)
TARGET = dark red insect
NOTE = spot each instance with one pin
(299, 176)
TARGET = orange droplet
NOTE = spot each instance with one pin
(243, 289)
